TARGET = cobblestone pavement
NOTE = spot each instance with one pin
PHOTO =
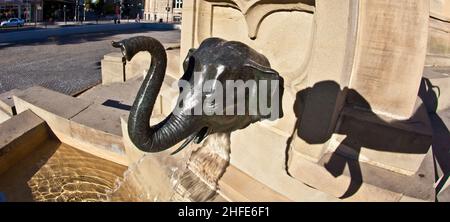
(68, 64)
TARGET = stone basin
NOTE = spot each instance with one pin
(63, 148)
(37, 166)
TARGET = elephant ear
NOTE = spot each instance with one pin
(188, 65)
(261, 72)
(274, 87)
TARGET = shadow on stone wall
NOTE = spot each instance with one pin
(441, 134)
(318, 113)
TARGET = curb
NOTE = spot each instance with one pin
(43, 34)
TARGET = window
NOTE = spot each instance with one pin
(178, 3)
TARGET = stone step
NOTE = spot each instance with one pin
(87, 126)
(396, 145)
(19, 136)
(237, 186)
(441, 148)
(351, 180)
(4, 116)
(372, 157)
(438, 49)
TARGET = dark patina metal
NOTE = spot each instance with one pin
(215, 59)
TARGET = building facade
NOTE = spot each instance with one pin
(41, 10)
(29, 10)
(163, 10)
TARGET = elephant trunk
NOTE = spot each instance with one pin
(173, 128)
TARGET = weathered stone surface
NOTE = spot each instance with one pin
(113, 69)
(292, 22)
(399, 146)
(261, 153)
(440, 9)
(19, 136)
(87, 132)
(236, 185)
(103, 118)
(138, 66)
(4, 116)
(438, 50)
(390, 33)
(57, 103)
(7, 103)
(345, 177)
(55, 108)
(439, 37)
(97, 129)
(318, 177)
(118, 95)
(341, 43)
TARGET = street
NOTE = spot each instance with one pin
(67, 64)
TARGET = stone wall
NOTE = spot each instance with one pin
(364, 57)
(439, 37)
(440, 9)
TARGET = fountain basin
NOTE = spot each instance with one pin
(37, 166)
(94, 133)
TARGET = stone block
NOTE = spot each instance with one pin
(113, 69)
(399, 146)
(438, 50)
(138, 66)
(19, 136)
(55, 108)
(358, 181)
(174, 59)
(4, 116)
(383, 46)
(236, 185)
(371, 156)
(97, 130)
(7, 103)
(440, 9)
(285, 124)
(263, 26)
(261, 153)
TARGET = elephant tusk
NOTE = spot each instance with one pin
(201, 135)
(185, 143)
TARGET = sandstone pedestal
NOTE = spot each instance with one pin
(352, 73)
(116, 69)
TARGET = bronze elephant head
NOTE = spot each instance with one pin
(208, 101)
